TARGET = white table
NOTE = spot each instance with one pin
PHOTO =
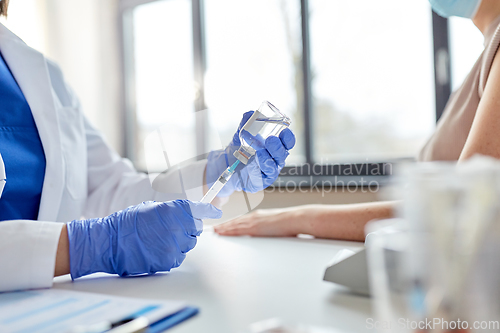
(236, 281)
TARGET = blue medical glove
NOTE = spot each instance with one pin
(262, 169)
(147, 238)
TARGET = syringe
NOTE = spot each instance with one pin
(264, 122)
(219, 184)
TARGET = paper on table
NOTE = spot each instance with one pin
(54, 310)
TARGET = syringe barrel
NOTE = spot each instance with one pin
(212, 192)
(217, 186)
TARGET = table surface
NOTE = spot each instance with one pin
(237, 281)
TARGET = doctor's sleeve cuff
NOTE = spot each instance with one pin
(27, 254)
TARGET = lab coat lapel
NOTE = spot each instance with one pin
(29, 68)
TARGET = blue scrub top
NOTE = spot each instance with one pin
(21, 150)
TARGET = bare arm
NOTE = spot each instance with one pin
(346, 221)
(484, 136)
(62, 255)
(324, 221)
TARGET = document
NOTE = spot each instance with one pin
(54, 310)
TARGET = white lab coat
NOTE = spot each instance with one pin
(83, 177)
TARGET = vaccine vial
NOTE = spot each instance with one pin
(265, 122)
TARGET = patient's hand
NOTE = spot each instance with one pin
(266, 223)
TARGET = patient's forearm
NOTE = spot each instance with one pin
(344, 221)
(62, 255)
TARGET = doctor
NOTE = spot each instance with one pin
(58, 168)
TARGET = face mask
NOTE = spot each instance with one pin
(462, 8)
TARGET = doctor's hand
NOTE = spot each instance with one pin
(142, 239)
(262, 169)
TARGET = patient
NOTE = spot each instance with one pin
(470, 125)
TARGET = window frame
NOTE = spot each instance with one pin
(442, 81)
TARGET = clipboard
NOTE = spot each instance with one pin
(54, 310)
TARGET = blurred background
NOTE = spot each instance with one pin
(362, 80)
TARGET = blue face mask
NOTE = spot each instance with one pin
(462, 8)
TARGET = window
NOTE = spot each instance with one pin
(358, 84)
(163, 71)
(466, 44)
(372, 78)
(253, 51)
